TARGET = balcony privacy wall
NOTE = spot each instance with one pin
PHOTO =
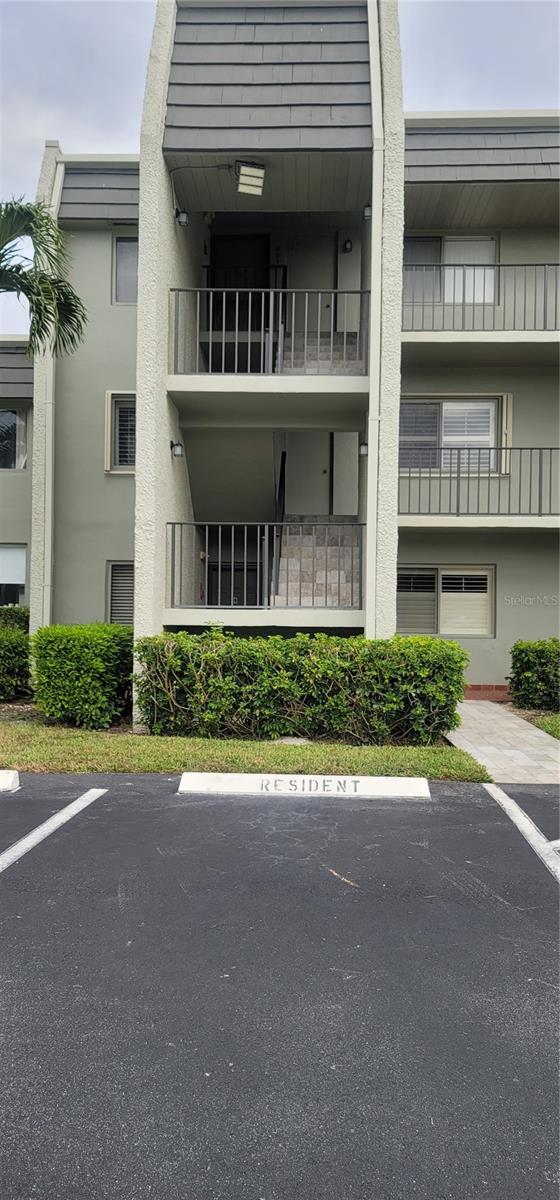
(269, 78)
(445, 155)
(100, 193)
(16, 373)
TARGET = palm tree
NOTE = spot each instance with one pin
(57, 315)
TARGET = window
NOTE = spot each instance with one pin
(467, 265)
(13, 439)
(451, 601)
(124, 431)
(422, 269)
(12, 574)
(449, 434)
(126, 270)
(120, 438)
(416, 602)
(121, 593)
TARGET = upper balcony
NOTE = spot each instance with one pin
(481, 298)
(268, 331)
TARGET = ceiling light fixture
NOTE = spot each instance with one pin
(250, 178)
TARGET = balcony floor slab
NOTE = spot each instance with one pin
(277, 617)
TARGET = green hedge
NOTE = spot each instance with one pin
(348, 689)
(83, 673)
(535, 674)
(14, 616)
(14, 663)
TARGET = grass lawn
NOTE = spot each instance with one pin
(28, 744)
(550, 723)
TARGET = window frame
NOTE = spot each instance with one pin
(21, 410)
(116, 562)
(122, 235)
(111, 399)
(456, 235)
(488, 569)
(23, 587)
(503, 425)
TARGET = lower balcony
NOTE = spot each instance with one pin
(294, 572)
(477, 485)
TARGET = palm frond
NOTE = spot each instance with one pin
(22, 219)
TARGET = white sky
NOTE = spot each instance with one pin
(74, 70)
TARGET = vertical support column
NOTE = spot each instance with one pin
(385, 281)
(42, 503)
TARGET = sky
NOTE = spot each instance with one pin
(81, 78)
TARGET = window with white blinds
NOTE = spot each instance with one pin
(416, 602)
(123, 432)
(465, 603)
(467, 266)
(126, 270)
(451, 434)
(121, 598)
(469, 270)
(451, 601)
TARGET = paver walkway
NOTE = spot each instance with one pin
(511, 749)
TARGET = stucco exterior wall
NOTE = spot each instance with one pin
(526, 586)
(93, 509)
(168, 257)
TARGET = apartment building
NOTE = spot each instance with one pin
(319, 384)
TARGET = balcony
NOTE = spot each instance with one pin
(272, 331)
(282, 565)
(478, 298)
(519, 482)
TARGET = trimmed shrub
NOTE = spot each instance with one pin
(535, 674)
(348, 689)
(83, 673)
(14, 616)
(14, 663)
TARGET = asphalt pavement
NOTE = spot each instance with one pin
(268, 998)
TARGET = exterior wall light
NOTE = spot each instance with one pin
(181, 217)
(177, 449)
(250, 178)
(347, 246)
(363, 449)
(367, 212)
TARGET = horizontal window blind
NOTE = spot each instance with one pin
(124, 432)
(416, 602)
(465, 604)
(419, 434)
(122, 593)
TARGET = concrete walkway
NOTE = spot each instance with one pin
(511, 749)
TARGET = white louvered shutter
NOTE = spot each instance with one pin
(416, 602)
(125, 432)
(122, 593)
(465, 603)
(468, 425)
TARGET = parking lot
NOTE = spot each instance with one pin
(272, 997)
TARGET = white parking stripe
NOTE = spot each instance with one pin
(13, 853)
(527, 827)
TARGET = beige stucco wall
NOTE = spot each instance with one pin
(93, 510)
(169, 257)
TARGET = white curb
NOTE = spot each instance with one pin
(9, 781)
(369, 787)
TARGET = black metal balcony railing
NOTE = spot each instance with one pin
(481, 298)
(467, 481)
(287, 564)
(268, 331)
